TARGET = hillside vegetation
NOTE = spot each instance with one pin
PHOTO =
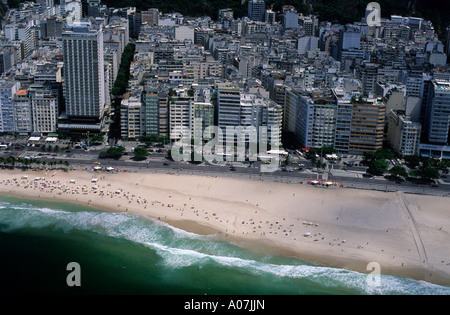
(339, 11)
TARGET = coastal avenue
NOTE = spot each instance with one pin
(350, 177)
(300, 169)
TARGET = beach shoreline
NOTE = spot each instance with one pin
(407, 235)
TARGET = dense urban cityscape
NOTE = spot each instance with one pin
(93, 75)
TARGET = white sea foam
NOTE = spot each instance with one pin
(180, 249)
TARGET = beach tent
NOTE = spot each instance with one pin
(24, 177)
(73, 181)
(94, 180)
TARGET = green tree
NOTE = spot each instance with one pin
(123, 74)
(377, 167)
(384, 154)
(140, 153)
(327, 150)
(380, 154)
(98, 139)
(113, 152)
(398, 171)
(412, 161)
(426, 173)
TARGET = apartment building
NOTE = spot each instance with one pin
(8, 89)
(438, 113)
(44, 111)
(403, 134)
(132, 117)
(23, 122)
(343, 120)
(84, 77)
(181, 114)
(203, 117)
(150, 101)
(367, 126)
(228, 105)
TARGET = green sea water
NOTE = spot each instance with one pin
(121, 253)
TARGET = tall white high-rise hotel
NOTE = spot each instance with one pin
(84, 76)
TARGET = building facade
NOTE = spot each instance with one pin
(132, 123)
(403, 134)
(45, 111)
(228, 105)
(438, 113)
(8, 90)
(256, 10)
(150, 101)
(84, 77)
(23, 122)
(367, 126)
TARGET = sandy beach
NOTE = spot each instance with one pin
(407, 235)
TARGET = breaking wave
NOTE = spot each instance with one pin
(180, 251)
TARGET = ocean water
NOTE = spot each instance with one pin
(121, 253)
